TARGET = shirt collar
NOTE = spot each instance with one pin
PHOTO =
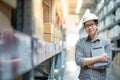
(97, 39)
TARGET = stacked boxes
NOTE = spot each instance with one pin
(48, 32)
(11, 3)
(5, 15)
(58, 36)
(109, 20)
(48, 28)
(117, 13)
(115, 31)
(110, 6)
(38, 18)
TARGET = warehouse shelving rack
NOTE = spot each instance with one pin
(112, 11)
(22, 53)
(114, 70)
(117, 5)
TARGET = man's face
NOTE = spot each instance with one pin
(91, 27)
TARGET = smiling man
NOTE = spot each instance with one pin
(92, 67)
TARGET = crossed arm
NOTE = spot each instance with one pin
(83, 61)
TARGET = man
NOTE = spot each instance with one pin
(84, 49)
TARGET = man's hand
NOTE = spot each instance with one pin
(90, 66)
(103, 57)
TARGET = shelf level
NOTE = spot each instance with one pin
(112, 10)
(110, 26)
(20, 53)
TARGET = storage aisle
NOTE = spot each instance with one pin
(44, 27)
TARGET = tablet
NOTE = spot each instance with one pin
(96, 52)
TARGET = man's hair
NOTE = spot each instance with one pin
(95, 20)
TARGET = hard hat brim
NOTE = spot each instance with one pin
(89, 20)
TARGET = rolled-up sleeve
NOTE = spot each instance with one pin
(78, 53)
(108, 49)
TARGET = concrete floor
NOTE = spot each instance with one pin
(71, 69)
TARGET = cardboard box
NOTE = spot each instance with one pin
(38, 9)
(48, 28)
(48, 37)
(56, 21)
(11, 3)
(57, 41)
(5, 9)
(38, 18)
(58, 34)
(41, 12)
(39, 29)
(5, 15)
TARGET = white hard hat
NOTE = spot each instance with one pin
(89, 16)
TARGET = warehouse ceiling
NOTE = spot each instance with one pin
(86, 4)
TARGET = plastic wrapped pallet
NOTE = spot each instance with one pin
(117, 14)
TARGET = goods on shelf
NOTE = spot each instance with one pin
(11, 3)
(5, 16)
(48, 32)
(115, 31)
(109, 19)
(49, 37)
(117, 13)
(110, 6)
(48, 28)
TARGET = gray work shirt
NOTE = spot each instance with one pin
(83, 50)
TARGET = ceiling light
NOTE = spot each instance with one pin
(79, 3)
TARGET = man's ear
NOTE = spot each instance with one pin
(97, 27)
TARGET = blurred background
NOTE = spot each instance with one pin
(38, 37)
